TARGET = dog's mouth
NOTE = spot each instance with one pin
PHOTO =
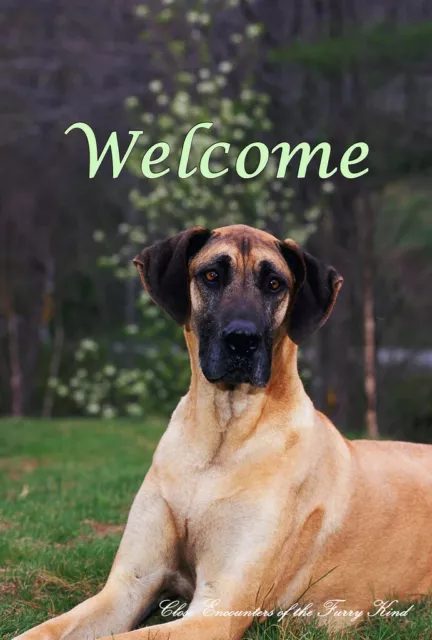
(238, 375)
(232, 377)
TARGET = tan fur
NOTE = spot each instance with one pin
(252, 497)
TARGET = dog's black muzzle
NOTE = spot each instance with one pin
(241, 353)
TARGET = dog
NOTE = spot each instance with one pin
(254, 501)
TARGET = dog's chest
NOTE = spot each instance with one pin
(215, 514)
(219, 503)
(192, 492)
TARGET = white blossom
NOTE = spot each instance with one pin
(138, 388)
(328, 187)
(205, 87)
(109, 370)
(155, 86)
(192, 17)
(93, 408)
(89, 345)
(184, 77)
(253, 30)
(220, 81)
(134, 409)
(108, 412)
(131, 329)
(225, 66)
(141, 11)
(131, 102)
(79, 396)
(236, 38)
(137, 236)
(246, 95)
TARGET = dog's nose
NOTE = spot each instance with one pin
(241, 337)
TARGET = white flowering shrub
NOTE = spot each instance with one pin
(99, 389)
(208, 92)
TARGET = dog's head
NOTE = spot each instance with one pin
(238, 288)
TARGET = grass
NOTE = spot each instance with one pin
(65, 490)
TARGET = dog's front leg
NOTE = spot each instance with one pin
(145, 559)
(190, 628)
(222, 608)
(193, 627)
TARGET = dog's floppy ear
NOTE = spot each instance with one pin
(163, 269)
(316, 288)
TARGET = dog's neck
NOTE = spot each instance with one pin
(215, 411)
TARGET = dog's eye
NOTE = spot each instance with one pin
(274, 284)
(211, 276)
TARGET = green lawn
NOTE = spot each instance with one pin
(65, 490)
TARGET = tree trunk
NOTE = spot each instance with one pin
(48, 402)
(14, 355)
(369, 320)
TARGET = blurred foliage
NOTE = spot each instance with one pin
(378, 47)
(261, 72)
(407, 404)
(404, 219)
(100, 383)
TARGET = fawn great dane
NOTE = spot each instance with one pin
(254, 501)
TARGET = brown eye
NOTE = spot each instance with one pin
(274, 284)
(211, 276)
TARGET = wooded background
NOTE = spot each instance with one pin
(76, 335)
